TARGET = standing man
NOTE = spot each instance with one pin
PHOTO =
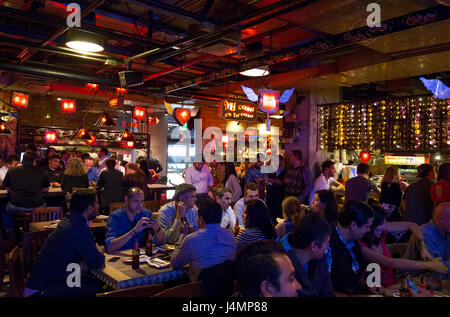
(201, 178)
(26, 185)
(180, 211)
(102, 157)
(92, 171)
(359, 187)
(224, 196)
(297, 179)
(129, 222)
(250, 193)
(53, 171)
(325, 180)
(71, 243)
(418, 202)
(111, 182)
(11, 161)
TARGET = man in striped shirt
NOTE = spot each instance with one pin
(209, 246)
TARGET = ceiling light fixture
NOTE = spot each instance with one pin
(82, 134)
(256, 72)
(105, 121)
(126, 136)
(4, 129)
(84, 41)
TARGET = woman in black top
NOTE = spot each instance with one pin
(392, 189)
(75, 176)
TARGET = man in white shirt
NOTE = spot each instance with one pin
(250, 193)
(224, 196)
(200, 177)
(11, 161)
(326, 180)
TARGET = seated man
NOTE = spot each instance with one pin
(309, 241)
(250, 193)
(224, 196)
(264, 270)
(209, 246)
(436, 234)
(53, 171)
(72, 242)
(129, 222)
(181, 210)
(344, 254)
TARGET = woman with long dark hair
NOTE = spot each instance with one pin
(257, 222)
(374, 249)
(231, 181)
(325, 205)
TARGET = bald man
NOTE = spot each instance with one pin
(436, 234)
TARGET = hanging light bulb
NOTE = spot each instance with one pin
(51, 136)
(126, 136)
(105, 121)
(82, 134)
(4, 129)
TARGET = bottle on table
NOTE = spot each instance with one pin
(149, 245)
(135, 254)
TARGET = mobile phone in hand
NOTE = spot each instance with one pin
(413, 286)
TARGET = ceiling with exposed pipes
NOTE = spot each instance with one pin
(193, 50)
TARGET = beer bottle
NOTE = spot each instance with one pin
(149, 245)
(404, 287)
(135, 255)
(236, 228)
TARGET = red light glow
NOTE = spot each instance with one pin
(68, 105)
(50, 136)
(20, 100)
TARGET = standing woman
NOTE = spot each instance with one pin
(75, 176)
(392, 189)
(231, 181)
(241, 174)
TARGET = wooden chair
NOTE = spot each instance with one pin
(16, 273)
(46, 214)
(114, 206)
(140, 291)
(193, 289)
(32, 244)
(152, 205)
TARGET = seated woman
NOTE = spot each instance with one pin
(75, 176)
(257, 222)
(292, 213)
(373, 247)
(325, 205)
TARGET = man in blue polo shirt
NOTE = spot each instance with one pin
(129, 222)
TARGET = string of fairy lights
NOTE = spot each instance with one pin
(419, 123)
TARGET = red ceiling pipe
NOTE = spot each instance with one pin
(175, 68)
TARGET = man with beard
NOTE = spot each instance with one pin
(71, 243)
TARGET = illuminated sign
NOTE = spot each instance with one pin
(237, 110)
(404, 160)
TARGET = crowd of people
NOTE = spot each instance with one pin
(307, 246)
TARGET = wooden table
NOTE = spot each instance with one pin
(119, 275)
(159, 188)
(42, 226)
(52, 191)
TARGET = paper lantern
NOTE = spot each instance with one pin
(20, 100)
(51, 136)
(68, 105)
(365, 156)
(121, 91)
(181, 115)
(139, 113)
(130, 144)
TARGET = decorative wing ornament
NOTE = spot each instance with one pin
(250, 93)
(437, 87)
(286, 95)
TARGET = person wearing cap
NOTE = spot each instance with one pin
(418, 202)
(180, 211)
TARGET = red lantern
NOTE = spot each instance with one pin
(50, 136)
(68, 105)
(130, 144)
(19, 100)
(91, 87)
(139, 113)
(269, 101)
(121, 91)
(92, 140)
(181, 115)
(365, 156)
(269, 151)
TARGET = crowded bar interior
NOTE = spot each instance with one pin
(225, 148)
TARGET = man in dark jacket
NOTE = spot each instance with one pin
(111, 181)
(72, 244)
(309, 241)
(344, 255)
